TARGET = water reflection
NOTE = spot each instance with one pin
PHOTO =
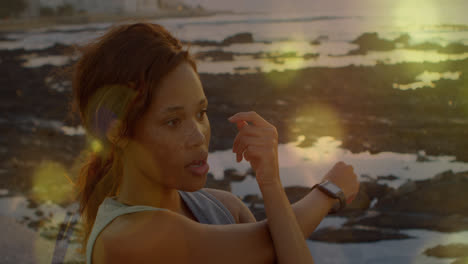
(427, 79)
(306, 166)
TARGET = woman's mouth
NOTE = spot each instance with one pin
(200, 167)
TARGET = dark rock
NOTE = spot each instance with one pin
(390, 177)
(371, 41)
(35, 225)
(233, 175)
(315, 42)
(252, 199)
(258, 212)
(355, 235)
(368, 177)
(422, 157)
(309, 56)
(32, 204)
(215, 55)
(211, 182)
(244, 37)
(425, 46)
(296, 193)
(368, 191)
(448, 251)
(375, 190)
(400, 220)
(319, 40)
(403, 39)
(445, 195)
(358, 205)
(203, 43)
(39, 213)
(454, 48)
(251, 172)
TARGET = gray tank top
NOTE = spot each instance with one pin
(204, 206)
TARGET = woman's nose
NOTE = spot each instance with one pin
(196, 135)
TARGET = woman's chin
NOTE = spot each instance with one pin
(196, 182)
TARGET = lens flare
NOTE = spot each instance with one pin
(51, 182)
(287, 55)
(314, 121)
(96, 146)
(417, 12)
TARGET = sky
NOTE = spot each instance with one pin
(355, 7)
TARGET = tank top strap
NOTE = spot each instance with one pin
(207, 208)
(107, 212)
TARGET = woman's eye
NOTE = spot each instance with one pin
(203, 113)
(173, 122)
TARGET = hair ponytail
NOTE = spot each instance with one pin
(98, 179)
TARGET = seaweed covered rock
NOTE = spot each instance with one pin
(244, 37)
(355, 235)
(444, 194)
(371, 41)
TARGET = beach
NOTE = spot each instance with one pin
(389, 100)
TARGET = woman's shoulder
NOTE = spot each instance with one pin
(129, 230)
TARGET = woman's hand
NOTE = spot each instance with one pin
(258, 144)
(343, 175)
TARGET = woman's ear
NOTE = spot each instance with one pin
(113, 134)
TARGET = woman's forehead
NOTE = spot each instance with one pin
(180, 88)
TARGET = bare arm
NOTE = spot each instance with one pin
(311, 210)
(258, 143)
(288, 239)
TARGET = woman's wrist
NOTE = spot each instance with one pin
(272, 186)
(329, 201)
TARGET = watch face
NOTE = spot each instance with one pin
(332, 187)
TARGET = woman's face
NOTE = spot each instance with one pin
(174, 132)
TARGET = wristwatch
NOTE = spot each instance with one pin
(332, 190)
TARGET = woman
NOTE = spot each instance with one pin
(141, 194)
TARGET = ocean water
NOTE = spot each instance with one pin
(289, 30)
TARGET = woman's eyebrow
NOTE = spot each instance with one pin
(178, 108)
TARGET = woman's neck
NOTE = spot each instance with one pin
(137, 189)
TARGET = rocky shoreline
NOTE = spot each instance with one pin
(359, 107)
(435, 204)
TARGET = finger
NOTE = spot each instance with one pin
(238, 157)
(250, 131)
(250, 154)
(251, 116)
(241, 124)
(243, 141)
(251, 141)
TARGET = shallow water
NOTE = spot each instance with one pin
(427, 79)
(407, 251)
(306, 166)
(287, 32)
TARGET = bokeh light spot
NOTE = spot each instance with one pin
(96, 146)
(51, 182)
(316, 120)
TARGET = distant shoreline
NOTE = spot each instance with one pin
(23, 24)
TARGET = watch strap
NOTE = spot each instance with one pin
(336, 195)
